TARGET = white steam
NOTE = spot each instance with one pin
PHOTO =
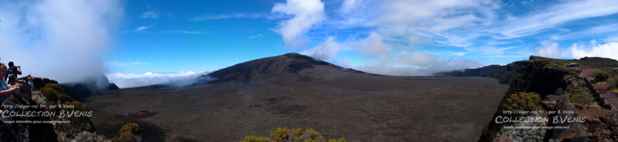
(130, 80)
(63, 40)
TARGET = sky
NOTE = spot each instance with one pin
(141, 42)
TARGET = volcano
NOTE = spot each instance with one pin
(297, 91)
(287, 66)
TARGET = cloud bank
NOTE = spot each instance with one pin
(130, 80)
(63, 40)
(607, 50)
(387, 20)
(417, 37)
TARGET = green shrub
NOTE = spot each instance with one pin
(128, 132)
(292, 135)
(579, 95)
(523, 101)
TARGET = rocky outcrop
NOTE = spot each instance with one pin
(24, 132)
(564, 95)
(69, 120)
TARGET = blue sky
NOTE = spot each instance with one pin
(166, 36)
(188, 36)
(166, 39)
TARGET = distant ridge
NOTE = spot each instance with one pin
(505, 73)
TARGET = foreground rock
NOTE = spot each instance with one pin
(573, 96)
(46, 113)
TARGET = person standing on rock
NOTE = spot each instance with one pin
(13, 72)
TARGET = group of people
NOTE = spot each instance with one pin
(8, 78)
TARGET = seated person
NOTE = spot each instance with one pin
(9, 90)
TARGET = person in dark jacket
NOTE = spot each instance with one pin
(13, 73)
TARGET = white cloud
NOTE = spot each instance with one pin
(557, 15)
(373, 44)
(63, 40)
(607, 50)
(589, 32)
(349, 5)
(416, 63)
(326, 50)
(150, 15)
(306, 14)
(413, 17)
(480, 27)
(142, 28)
(552, 49)
(459, 23)
(129, 80)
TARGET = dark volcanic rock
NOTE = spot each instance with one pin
(38, 82)
(561, 88)
(598, 62)
(24, 132)
(45, 92)
(502, 73)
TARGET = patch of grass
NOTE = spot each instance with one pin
(599, 75)
(252, 138)
(53, 92)
(292, 135)
(613, 82)
(523, 101)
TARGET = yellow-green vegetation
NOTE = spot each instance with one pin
(128, 132)
(554, 64)
(53, 92)
(292, 135)
(579, 95)
(252, 138)
(523, 101)
(599, 75)
(615, 91)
